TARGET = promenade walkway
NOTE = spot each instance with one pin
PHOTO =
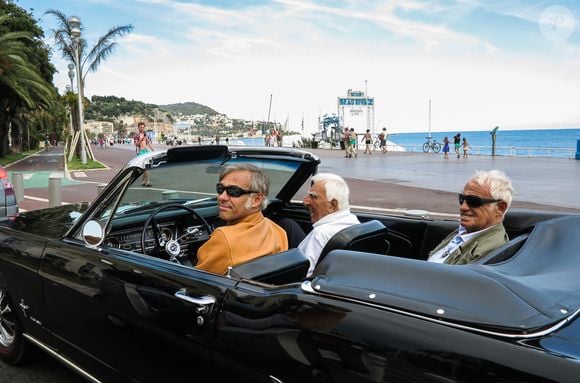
(394, 181)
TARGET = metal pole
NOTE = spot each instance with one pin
(80, 100)
(429, 118)
(269, 110)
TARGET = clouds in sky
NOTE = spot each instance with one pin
(482, 63)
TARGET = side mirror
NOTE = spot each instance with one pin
(93, 233)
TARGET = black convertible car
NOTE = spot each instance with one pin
(111, 289)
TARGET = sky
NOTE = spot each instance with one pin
(446, 65)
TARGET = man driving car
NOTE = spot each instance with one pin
(242, 195)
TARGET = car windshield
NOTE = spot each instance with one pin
(191, 183)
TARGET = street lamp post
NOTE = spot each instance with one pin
(71, 74)
(75, 28)
(72, 130)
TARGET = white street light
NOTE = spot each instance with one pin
(71, 74)
(75, 30)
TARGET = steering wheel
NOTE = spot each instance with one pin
(172, 247)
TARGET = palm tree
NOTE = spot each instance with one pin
(17, 73)
(89, 61)
(21, 86)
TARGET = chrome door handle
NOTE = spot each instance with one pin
(204, 303)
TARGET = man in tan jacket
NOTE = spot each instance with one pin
(242, 195)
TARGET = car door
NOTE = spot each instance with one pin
(130, 317)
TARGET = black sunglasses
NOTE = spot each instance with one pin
(232, 191)
(475, 201)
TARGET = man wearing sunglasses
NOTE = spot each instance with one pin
(327, 202)
(242, 195)
(483, 203)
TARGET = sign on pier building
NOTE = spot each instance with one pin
(357, 111)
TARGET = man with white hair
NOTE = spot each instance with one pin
(327, 201)
(483, 204)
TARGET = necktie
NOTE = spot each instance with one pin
(453, 245)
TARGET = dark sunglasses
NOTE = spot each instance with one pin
(232, 191)
(475, 201)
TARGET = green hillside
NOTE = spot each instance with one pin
(188, 108)
(109, 108)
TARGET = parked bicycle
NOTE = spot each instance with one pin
(432, 144)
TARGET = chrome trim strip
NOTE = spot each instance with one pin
(62, 359)
(306, 286)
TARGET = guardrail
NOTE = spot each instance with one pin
(509, 151)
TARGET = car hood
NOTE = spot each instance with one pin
(51, 222)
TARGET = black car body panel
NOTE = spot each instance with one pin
(129, 309)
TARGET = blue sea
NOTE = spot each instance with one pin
(560, 143)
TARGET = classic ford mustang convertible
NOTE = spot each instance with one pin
(111, 289)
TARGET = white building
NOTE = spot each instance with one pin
(357, 111)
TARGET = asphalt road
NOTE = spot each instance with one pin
(393, 181)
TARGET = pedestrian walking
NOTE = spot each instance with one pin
(346, 140)
(465, 145)
(383, 140)
(368, 139)
(143, 146)
(353, 143)
(446, 148)
(457, 144)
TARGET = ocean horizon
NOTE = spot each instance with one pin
(559, 143)
(556, 143)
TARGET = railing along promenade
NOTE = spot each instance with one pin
(507, 151)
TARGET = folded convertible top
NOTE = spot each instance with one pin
(536, 288)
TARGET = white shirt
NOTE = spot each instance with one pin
(462, 237)
(322, 231)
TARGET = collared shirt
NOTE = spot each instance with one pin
(461, 238)
(252, 237)
(322, 231)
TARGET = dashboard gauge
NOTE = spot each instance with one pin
(112, 242)
(166, 234)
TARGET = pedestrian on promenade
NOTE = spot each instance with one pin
(446, 148)
(368, 139)
(383, 140)
(143, 145)
(327, 202)
(346, 140)
(457, 144)
(353, 142)
(465, 145)
(483, 203)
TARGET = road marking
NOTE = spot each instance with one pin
(56, 175)
(80, 174)
(27, 176)
(38, 199)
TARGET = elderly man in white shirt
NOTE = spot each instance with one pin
(327, 201)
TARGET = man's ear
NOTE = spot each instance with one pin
(257, 199)
(334, 205)
(501, 207)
